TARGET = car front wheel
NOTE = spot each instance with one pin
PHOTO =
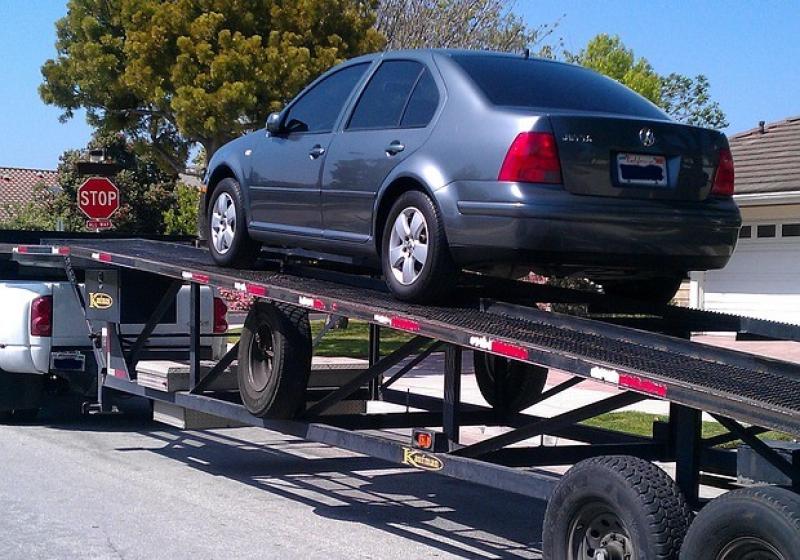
(228, 240)
(415, 258)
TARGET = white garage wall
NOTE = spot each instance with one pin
(762, 278)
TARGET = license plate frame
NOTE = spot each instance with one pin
(641, 170)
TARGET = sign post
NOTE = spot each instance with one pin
(98, 198)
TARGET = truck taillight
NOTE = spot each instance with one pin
(532, 158)
(220, 316)
(42, 316)
(723, 178)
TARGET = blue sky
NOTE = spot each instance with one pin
(749, 51)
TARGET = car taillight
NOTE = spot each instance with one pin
(532, 158)
(220, 316)
(723, 178)
(42, 316)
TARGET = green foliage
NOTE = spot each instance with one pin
(181, 219)
(170, 74)
(609, 56)
(687, 100)
(466, 24)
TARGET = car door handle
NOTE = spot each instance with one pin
(395, 148)
(316, 151)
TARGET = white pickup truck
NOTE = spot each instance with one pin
(44, 340)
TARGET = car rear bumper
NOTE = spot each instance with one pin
(489, 222)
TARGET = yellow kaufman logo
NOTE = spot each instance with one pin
(100, 300)
(421, 460)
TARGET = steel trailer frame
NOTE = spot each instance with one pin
(641, 362)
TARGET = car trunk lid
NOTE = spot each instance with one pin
(636, 158)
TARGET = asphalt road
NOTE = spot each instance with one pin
(123, 487)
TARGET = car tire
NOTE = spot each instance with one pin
(229, 242)
(623, 505)
(761, 523)
(508, 385)
(414, 222)
(659, 291)
(274, 360)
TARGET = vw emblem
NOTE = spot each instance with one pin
(647, 137)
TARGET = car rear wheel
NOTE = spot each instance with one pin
(659, 290)
(226, 231)
(415, 258)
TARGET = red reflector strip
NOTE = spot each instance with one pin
(61, 251)
(256, 290)
(313, 303)
(510, 350)
(642, 385)
(102, 257)
(194, 277)
(404, 324)
(21, 249)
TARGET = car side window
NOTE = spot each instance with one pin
(385, 97)
(319, 107)
(423, 103)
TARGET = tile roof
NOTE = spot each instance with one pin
(769, 161)
(17, 184)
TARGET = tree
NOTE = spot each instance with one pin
(33, 215)
(609, 56)
(181, 219)
(170, 74)
(688, 100)
(685, 99)
(469, 24)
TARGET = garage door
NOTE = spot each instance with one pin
(762, 278)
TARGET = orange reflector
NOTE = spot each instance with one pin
(424, 440)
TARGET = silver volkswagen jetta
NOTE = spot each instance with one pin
(427, 162)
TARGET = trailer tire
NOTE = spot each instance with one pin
(761, 523)
(623, 504)
(274, 360)
(508, 385)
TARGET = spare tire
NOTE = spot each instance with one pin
(508, 385)
(275, 360)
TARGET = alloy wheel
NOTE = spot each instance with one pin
(408, 246)
(223, 223)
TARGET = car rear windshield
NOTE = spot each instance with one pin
(519, 82)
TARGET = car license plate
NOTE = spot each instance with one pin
(642, 169)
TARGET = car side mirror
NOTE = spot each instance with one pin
(274, 123)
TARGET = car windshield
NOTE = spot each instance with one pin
(520, 82)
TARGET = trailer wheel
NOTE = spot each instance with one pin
(752, 523)
(615, 508)
(274, 360)
(508, 385)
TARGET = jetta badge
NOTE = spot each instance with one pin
(647, 137)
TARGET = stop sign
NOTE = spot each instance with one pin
(98, 198)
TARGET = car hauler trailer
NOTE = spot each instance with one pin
(613, 503)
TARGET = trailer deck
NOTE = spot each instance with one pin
(642, 350)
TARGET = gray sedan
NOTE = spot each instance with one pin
(424, 163)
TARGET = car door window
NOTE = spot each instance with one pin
(319, 107)
(385, 97)
(423, 103)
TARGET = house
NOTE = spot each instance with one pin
(18, 185)
(762, 278)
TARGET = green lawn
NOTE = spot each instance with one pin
(641, 423)
(351, 342)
